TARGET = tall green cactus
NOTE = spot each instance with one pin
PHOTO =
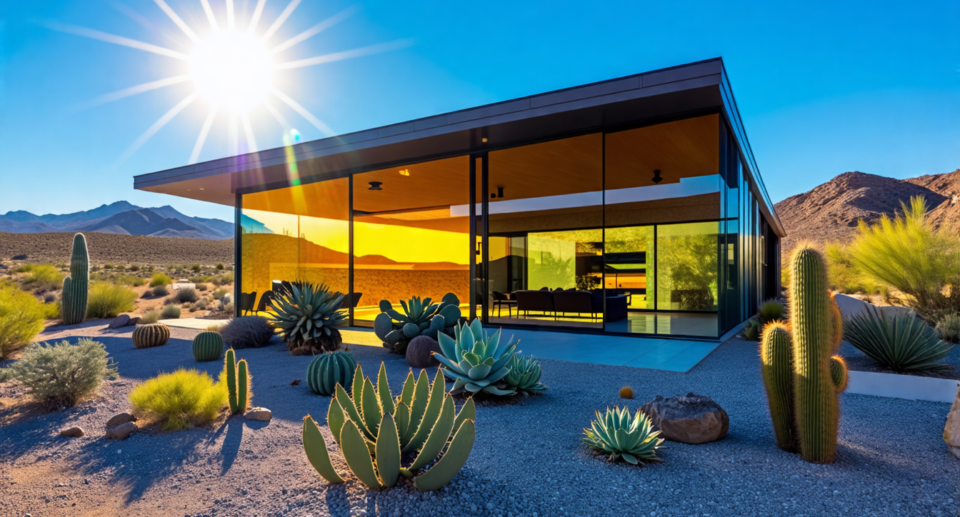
(76, 285)
(810, 374)
(238, 382)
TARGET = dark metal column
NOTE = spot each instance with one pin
(237, 254)
(350, 248)
(473, 238)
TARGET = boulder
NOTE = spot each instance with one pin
(258, 413)
(122, 431)
(120, 321)
(951, 431)
(73, 432)
(134, 321)
(688, 419)
(420, 352)
(122, 418)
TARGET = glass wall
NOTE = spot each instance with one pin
(287, 235)
(545, 229)
(411, 234)
(652, 230)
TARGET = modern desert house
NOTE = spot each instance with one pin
(631, 206)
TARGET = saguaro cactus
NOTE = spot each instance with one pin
(238, 382)
(802, 385)
(75, 286)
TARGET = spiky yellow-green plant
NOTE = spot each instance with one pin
(374, 429)
(800, 372)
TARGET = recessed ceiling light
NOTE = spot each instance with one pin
(405, 172)
(484, 139)
(201, 189)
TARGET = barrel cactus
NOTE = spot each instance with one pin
(475, 361)
(147, 336)
(616, 434)
(373, 430)
(419, 318)
(306, 316)
(326, 371)
(524, 375)
(76, 286)
(237, 379)
(207, 346)
(801, 372)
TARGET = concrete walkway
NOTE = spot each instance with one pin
(193, 323)
(659, 354)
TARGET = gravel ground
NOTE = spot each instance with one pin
(527, 461)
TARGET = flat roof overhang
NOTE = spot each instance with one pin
(649, 97)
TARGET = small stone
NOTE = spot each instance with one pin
(688, 419)
(420, 352)
(120, 321)
(258, 413)
(121, 432)
(73, 432)
(951, 431)
(122, 418)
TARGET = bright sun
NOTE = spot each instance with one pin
(234, 66)
(232, 70)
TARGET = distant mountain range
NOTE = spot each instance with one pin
(121, 218)
(830, 211)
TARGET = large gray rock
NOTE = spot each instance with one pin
(688, 419)
(420, 352)
(951, 431)
(120, 321)
(122, 431)
(122, 418)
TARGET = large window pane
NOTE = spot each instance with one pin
(296, 233)
(630, 266)
(687, 266)
(411, 234)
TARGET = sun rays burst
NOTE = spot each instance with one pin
(232, 67)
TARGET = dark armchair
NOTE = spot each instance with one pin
(537, 301)
(573, 301)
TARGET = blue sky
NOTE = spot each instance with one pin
(823, 87)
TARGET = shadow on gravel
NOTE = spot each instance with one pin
(232, 432)
(138, 462)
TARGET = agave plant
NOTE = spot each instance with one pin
(374, 429)
(524, 375)
(419, 318)
(475, 361)
(900, 342)
(620, 436)
(306, 316)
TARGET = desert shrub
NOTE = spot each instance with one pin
(202, 287)
(900, 342)
(131, 280)
(107, 300)
(226, 278)
(148, 268)
(52, 310)
(200, 279)
(247, 332)
(26, 268)
(770, 310)
(44, 276)
(219, 293)
(200, 305)
(948, 327)
(49, 297)
(134, 267)
(170, 312)
(59, 375)
(185, 295)
(219, 266)
(843, 275)
(161, 290)
(21, 318)
(108, 266)
(159, 279)
(196, 268)
(151, 316)
(216, 327)
(182, 399)
(910, 255)
(227, 307)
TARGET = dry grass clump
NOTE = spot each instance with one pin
(219, 293)
(170, 312)
(42, 276)
(21, 318)
(151, 316)
(160, 279)
(108, 300)
(185, 295)
(182, 399)
(60, 375)
(247, 332)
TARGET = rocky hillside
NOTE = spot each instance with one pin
(115, 249)
(830, 211)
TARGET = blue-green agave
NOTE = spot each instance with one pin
(617, 434)
(306, 315)
(475, 361)
(524, 375)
